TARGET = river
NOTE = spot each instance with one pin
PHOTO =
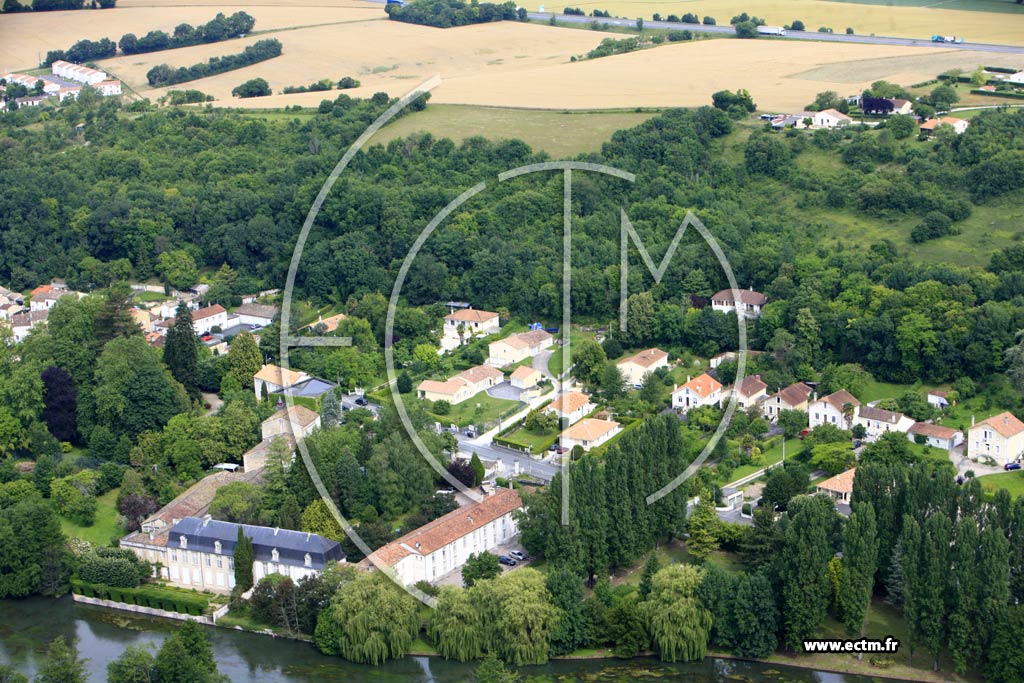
(27, 626)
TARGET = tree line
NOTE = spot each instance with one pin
(262, 50)
(219, 28)
(449, 13)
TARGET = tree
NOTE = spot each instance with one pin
(254, 87)
(588, 360)
(478, 469)
(805, 553)
(901, 125)
(783, 484)
(60, 401)
(567, 595)
(178, 269)
(330, 410)
(480, 566)
(7, 673)
(766, 155)
(135, 665)
(799, 26)
(181, 354)
(244, 359)
(755, 617)
(612, 381)
(834, 457)
(792, 422)
(703, 527)
(647, 576)
(943, 97)
(492, 670)
(244, 557)
(678, 623)
(746, 29)
(369, 621)
(1005, 657)
(240, 502)
(860, 561)
(891, 447)
(61, 665)
(187, 656)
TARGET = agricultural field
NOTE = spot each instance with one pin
(881, 17)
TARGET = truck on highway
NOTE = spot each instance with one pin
(771, 30)
(947, 39)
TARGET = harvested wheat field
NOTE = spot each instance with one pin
(516, 65)
(26, 38)
(882, 19)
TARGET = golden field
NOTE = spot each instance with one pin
(883, 20)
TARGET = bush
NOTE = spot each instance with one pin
(676, 36)
(797, 25)
(934, 225)
(708, 21)
(442, 407)
(746, 29)
(849, 31)
(116, 567)
(347, 83)
(255, 87)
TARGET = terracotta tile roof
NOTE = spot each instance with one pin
(448, 388)
(524, 372)
(841, 483)
(646, 358)
(525, 340)
(590, 429)
(300, 415)
(703, 385)
(279, 376)
(932, 430)
(471, 315)
(479, 374)
(1006, 424)
(330, 322)
(746, 296)
(751, 385)
(208, 311)
(794, 394)
(449, 528)
(569, 403)
(840, 398)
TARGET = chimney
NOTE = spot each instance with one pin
(206, 519)
(276, 529)
(1006, 420)
(972, 420)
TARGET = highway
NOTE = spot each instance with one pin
(790, 35)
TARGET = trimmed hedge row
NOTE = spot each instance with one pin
(146, 596)
(1011, 95)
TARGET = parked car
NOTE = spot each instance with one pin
(561, 449)
(518, 554)
(803, 433)
(506, 560)
(470, 433)
(360, 401)
(553, 447)
(444, 492)
(1011, 466)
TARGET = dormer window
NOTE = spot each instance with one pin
(274, 555)
(216, 547)
(308, 560)
(183, 541)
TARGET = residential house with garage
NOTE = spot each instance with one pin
(525, 377)
(570, 407)
(462, 386)
(636, 367)
(516, 348)
(749, 392)
(589, 433)
(745, 302)
(272, 379)
(464, 324)
(699, 391)
(935, 435)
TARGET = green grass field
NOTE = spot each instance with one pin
(560, 134)
(1004, 6)
(538, 443)
(1011, 481)
(479, 410)
(104, 529)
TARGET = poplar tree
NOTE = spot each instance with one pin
(755, 617)
(860, 557)
(910, 560)
(181, 353)
(932, 620)
(703, 527)
(244, 557)
(244, 359)
(963, 640)
(806, 552)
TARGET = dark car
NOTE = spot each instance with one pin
(1011, 466)
(361, 401)
(561, 449)
(553, 447)
(506, 560)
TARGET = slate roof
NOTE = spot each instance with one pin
(292, 546)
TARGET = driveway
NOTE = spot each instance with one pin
(540, 363)
(454, 577)
(504, 390)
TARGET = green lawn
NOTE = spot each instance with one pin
(575, 336)
(876, 390)
(771, 456)
(676, 552)
(561, 134)
(104, 529)
(480, 410)
(538, 443)
(149, 297)
(959, 416)
(1011, 481)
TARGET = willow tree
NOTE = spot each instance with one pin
(677, 621)
(520, 618)
(456, 626)
(369, 621)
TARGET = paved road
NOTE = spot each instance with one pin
(790, 35)
(544, 471)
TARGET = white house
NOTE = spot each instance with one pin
(840, 487)
(516, 348)
(23, 323)
(937, 436)
(255, 315)
(466, 324)
(108, 88)
(47, 299)
(290, 421)
(793, 397)
(939, 399)
(589, 433)
(1000, 437)
(1015, 78)
(205, 319)
(750, 392)
(76, 72)
(744, 302)
(635, 367)
(462, 386)
(276, 379)
(703, 390)
(830, 410)
(571, 406)
(830, 118)
(877, 422)
(443, 545)
(958, 125)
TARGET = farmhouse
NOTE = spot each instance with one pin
(877, 422)
(525, 377)
(744, 302)
(703, 390)
(1000, 437)
(271, 379)
(444, 545)
(589, 433)
(467, 323)
(751, 391)
(462, 386)
(838, 409)
(936, 436)
(959, 125)
(839, 487)
(516, 348)
(634, 368)
(572, 407)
